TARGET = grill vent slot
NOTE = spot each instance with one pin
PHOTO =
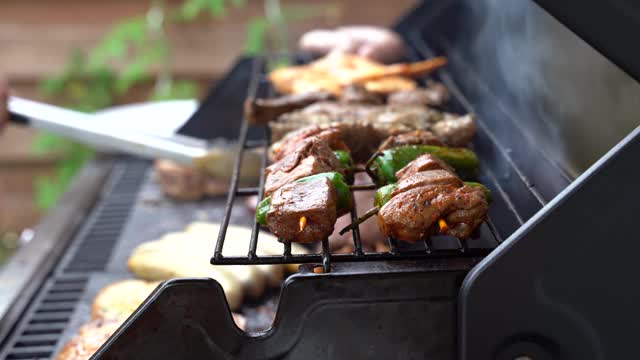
(107, 220)
(37, 334)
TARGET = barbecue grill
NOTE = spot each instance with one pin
(549, 276)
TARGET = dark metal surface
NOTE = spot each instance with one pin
(570, 287)
(348, 317)
(559, 287)
(21, 276)
(44, 318)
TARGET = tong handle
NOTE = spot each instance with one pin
(18, 118)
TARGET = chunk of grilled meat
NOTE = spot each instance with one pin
(313, 156)
(292, 141)
(434, 94)
(413, 215)
(303, 211)
(427, 191)
(423, 162)
(358, 94)
(261, 111)
(417, 137)
(421, 179)
(382, 117)
(365, 126)
(455, 130)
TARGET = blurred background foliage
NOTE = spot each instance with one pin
(137, 50)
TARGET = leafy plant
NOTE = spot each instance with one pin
(125, 58)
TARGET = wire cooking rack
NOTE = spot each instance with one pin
(436, 247)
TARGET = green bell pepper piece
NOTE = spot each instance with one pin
(464, 161)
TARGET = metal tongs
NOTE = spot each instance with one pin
(84, 128)
(216, 158)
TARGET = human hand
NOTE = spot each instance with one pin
(4, 96)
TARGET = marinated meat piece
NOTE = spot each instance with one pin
(312, 157)
(423, 162)
(303, 211)
(435, 94)
(293, 140)
(362, 127)
(384, 119)
(261, 111)
(413, 215)
(455, 130)
(471, 208)
(427, 178)
(417, 137)
(409, 216)
(359, 139)
(357, 94)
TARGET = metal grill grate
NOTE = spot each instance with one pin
(36, 336)
(437, 247)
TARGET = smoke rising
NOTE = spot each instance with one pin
(570, 100)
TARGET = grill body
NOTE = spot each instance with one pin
(521, 300)
(342, 314)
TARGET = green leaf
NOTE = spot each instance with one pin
(190, 9)
(178, 90)
(116, 43)
(131, 74)
(217, 8)
(239, 3)
(256, 30)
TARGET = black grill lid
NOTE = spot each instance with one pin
(559, 287)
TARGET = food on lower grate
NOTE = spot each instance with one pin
(210, 177)
(332, 73)
(306, 210)
(314, 156)
(121, 298)
(89, 339)
(187, 254)
(261, 111)
(95, 333)
(182, 182)
(433, 94)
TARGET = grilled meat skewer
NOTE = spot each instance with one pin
(313, 156)
(428, 199)
(261, 111)
(306, 209)
(363, 127)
